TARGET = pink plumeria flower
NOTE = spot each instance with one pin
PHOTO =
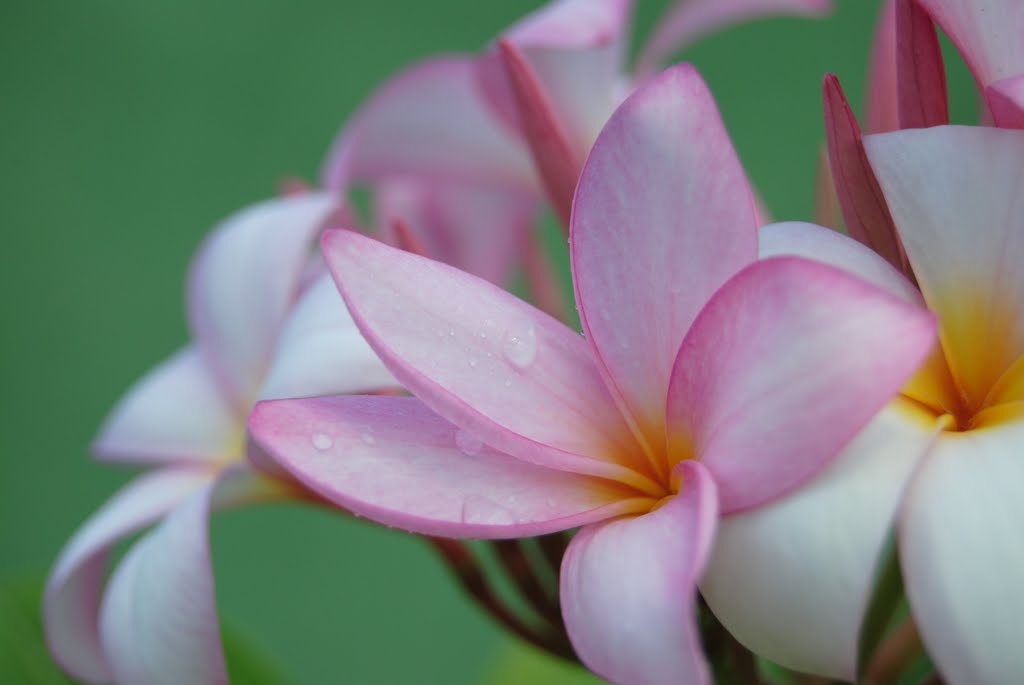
(264, 324)
(459, 128)
(944, 461)
(708, 383)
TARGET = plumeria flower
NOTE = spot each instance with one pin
(266, 322)
(497, 132)
(943, 460)
(708, 383)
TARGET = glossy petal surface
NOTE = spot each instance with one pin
(628, 588)
(663, 216)
(395, 461)
(962, 554)
(784, 366)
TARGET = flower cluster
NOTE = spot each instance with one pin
(772, 441)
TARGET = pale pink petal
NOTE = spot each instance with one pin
(791, 579)
(882, 108)
(430, 120)
(987, 33)
(864, 210)
(963, 555)
(175, 413)
(688, 20)
(664, 215)
(244, 279)
(1006, 100)
(482, 358)
(957, 196)
(628, 589)
(798, 239)
(321, 352)
(577, 49)
(158, 620)
(784, 366)
(921, 76)
(476, 228)
(393, 460)
(72, 598)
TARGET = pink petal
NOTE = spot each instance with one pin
(882, 95)
(663, 216)
(791, 579)
(577, 48)
(175, 413)
(72, 598)
(430, 120)
(244, 279)
(955, 195)
(921, 77)
(1006, 99)
(688, 20)
(962, 554)
(482, 359)
(798, 239)
(786, 363)
(987, 33)
(395, 461)
(479, 229)
(158, 620)
(864, 210)
(628, 589)
(321, 352)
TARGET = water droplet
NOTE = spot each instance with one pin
(472, 362)
(551, 502)
(520, 346)
(369, 439)
(508, 383)
(451, 332)
(512, 499)
(322, 441)
(606, 315)
(468, 444)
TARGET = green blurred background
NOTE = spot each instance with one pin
(127, 129)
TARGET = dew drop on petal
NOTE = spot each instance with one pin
(472, 362)
(369, 439)
(520, 346)
(322, 441)
(468, 444)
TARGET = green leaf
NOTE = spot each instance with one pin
(520, 663)
(884, 604)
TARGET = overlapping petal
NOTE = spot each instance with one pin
(320, 350)
(175, 413)
(791, 579)
(627, 588)
(987, 33)
(663, 216)
(956, 194)
(743, 395)
(482, 358)
(429, 120)
(962, 551)
(72, 598)
(243, 281)
(394, 460)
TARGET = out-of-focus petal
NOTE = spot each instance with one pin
(479, 229)
(882, 108)
(956, 195)
(784, 366)
(482, 358)
(1006, 100)
(663, 216)
(243, 281)
(791, 580)
(577, 49)
(962, 554)
(321, 351)
(921, 76)
(175, 413)
(72, 598)
(628, 589)
(430, 120)
(688, 20)
(158, 620)
(987, 33)
(395, 461)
